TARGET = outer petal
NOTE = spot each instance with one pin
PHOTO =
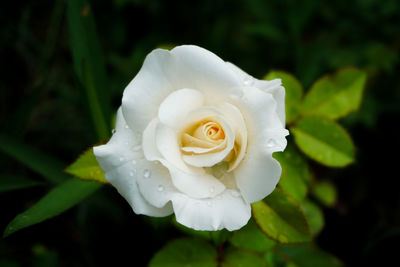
(273, 87)
(123, 179)
(118, 159)
(228, 210)
(165, 71)
(144, 94)
(258, 173)
(206, 72)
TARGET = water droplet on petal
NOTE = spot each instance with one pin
(235, 193)
(248, 81)
(271, 143)
(113, 131)
(126, 126)
(160, 188)
(146, 173)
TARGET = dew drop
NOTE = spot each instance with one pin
(248, 81)
(160, 188)
(271, 143)
(113, 131)
(126, 126)
(146, 173)
(235, 193)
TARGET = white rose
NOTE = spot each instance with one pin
(195, 136)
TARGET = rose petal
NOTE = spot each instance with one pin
(165, 71)
(206, 72)
(278, 92)
(258, 173)
(118, 160)
(236, 120)
(177, 105)
(210, 159)
(273, 87)
(228, 210)
(123, 146)
(159, 143)
(123, 179)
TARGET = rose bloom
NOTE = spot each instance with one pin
(194, 136)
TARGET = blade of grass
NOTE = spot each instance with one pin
(58, 200)
(89, 64)
(49, 167)
(10, 182)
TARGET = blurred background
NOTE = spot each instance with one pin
(42, 106)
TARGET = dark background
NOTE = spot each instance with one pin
(41, 106)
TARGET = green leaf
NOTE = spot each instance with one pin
(185, 252)
(89, 64)
(281, 218)
(336, 95)
(13, 182)
(87, 168)
(308, 256)
(242, 258)
(274, 260)
(324, 141)
(295, 172)
(325, 192)
(47, 166)
(58, 200)
(293, 93)
(251, 237)
(314, 215)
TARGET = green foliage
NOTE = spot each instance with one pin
(309, 256)
(293, 93)
(89, 64)
(325, 192)
(324, 141)
(242, 258)
(281, 218)
(49, 167)
(13, 182)
(251, 237)
(185, 252)
(336, 95)
(295, 172)
(314, 215)
(87, 168)
(58, 200)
